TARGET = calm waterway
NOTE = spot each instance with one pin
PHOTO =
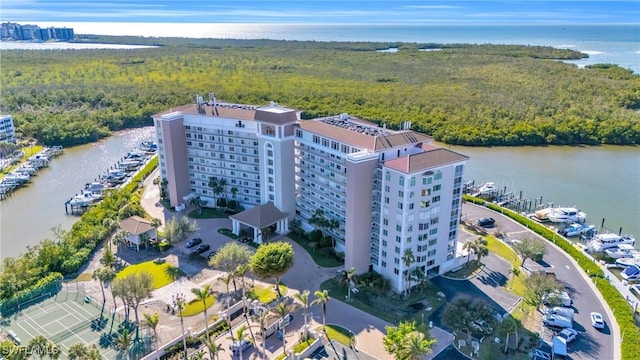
(603, 181)
(29, 214)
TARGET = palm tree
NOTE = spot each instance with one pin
(481, 248)
(317, 219)
(222, 183)
(234, 190)
(39, 345)
(240, 272)
(240, 336)
(407, 259)
(211, 345)
(77, 352)
(303, 297)
(507, 326)
(227, 280)
(103, 275)
(415, 346)
(151, 321)
(198, 355)
(346, 277)
(263, 321)
(203, 294)
(119, 239)
(179, 303)
(265, 232)
(124, 341)
(515, 272)
(283, 311)
(469, 247)
(198, 203)
(322, 298)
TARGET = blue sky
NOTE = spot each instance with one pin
(323, 11)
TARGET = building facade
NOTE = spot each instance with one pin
(7, 129)
(389, 198)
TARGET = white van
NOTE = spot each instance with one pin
(561, 298)
(562, 311)
(557, 321)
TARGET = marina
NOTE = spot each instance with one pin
(116, 176)
(23, 173)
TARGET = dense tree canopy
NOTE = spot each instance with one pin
(463, 94)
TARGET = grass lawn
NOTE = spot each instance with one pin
(163, 274)
(207, 213)
(339, 334)
(390, 308)
(516, 283)
(320, 256)
(466, 271)
(195, 306)
(265, 294)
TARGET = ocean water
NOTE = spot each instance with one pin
(616, 44)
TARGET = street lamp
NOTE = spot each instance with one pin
(179, 302)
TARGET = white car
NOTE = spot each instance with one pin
(568, 334)
(597, 321)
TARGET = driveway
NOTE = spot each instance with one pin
(591, 343)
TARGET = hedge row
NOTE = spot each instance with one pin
(623, 313)
(48, 284)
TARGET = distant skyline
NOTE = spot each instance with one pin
(425, 12)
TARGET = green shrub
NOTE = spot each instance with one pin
(315, 236)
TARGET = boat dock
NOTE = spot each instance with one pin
(115, 177)
(22, 174)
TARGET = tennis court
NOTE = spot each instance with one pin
(68, 319)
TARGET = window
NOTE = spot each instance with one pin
(438, 175)
(384, 243)
(411, 206)
(431, 253)
(401, 181)
(397, 250)
(385, 232)
(413, 181)
(395, 271)
(426, 192)
(400, 193)
(436, 199)
(437, 187)
(396, 261)
(398, 228)
(387, 188)
(400, 205)
(386, 199)
(398, 239)
(385, 221)
(384, 254)
(387, 176)
(270, 153)
(384, 264)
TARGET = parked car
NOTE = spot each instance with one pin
(211, 254)
(193, 242)
(568, 334)
(557, 321)
(486, 222)
(202, 248)
(597, 320)
(239, 346)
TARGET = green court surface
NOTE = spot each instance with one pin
(68, 319)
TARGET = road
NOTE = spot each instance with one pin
(591, 343)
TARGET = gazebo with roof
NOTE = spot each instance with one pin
(258, 218)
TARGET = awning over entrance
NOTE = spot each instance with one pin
(259, 217)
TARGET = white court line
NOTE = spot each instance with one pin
(73, 312)
(80, 307)
(73, 332)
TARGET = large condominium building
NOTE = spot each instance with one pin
(7, 130)
(390, 198)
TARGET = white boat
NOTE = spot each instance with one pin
(85, 198)
(576, 229)
(628, 261)
(95, 187)
(601, 242)
(542, 215)
(18, 177)
(487, 188)
(631, 273)
(622, 251)
(566, 215)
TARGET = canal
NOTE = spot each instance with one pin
(29, 214)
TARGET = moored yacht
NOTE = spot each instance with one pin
(601, 242)
(542, 215)
(85, 198)
(487, 188)
(566, 215)
(576, 229)
(622, 251)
